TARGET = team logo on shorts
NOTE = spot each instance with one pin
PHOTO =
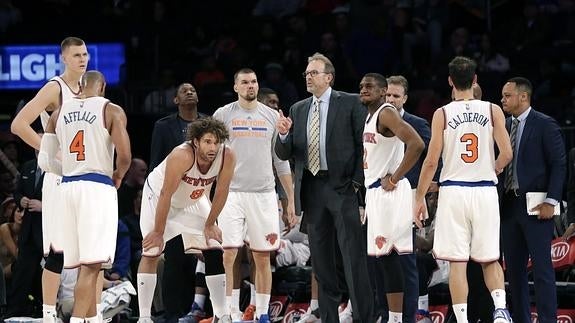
(272, 238)
(380, 241)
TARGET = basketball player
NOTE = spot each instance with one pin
(175, 201)
(74, 57)
(467, 221)
(85, 130)
(388, 200)
(251, 209)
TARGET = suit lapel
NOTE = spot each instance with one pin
(331, 114)
(527, 129)
(303, 119)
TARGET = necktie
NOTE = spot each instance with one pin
(313, 144)
(510, 171)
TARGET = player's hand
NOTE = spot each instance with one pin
(283, 124)
(545, 211)
(154, 239)
(569, 232)
(386, 183)
(289, 218)
(117, 179)
(419, 212)
(34, 206)
(211, 231)
(24, 202)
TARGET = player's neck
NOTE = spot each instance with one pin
(248, 105)
(463, 95)
(372, 107)
(188, 113)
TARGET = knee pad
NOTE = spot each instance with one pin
(214, 262)
(54, 262)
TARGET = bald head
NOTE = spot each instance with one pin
(93, 83)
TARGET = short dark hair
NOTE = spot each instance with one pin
(70, 41)
(92, 77)
(379, 79)
(198, 128)
(399, 80)
(462, 70)
(245, 70)
(264, 92)
(522, 84)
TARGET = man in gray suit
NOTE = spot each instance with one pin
(323, 134)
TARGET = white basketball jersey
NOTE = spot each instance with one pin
(66, 94)
(192, 185)
(468, 149)
(85, 142)
(381, 155)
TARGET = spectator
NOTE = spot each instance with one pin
(132, 184)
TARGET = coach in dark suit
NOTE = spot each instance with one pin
(27, 272)
(168, 133)
(324, 136)
(538, 166)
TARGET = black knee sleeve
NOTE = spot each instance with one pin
(214, 262)
(392, 273)
(54, 262)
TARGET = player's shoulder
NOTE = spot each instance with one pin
(167, 119)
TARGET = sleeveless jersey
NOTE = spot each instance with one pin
(66, 94)
(85, 142)
(468, 149)
(193, 183)
(381, 155)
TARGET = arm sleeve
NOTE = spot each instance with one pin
(49, 147)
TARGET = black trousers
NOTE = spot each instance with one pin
(26, 278)
(333, 223)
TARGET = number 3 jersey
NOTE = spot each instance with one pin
(85, 142)
(193, 183)
(468, 149)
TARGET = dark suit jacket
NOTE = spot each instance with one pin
(541, 164)
(32, 221)
(421, 126)
(166, 135)
(344, 146)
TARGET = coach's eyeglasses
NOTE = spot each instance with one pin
(311, 73)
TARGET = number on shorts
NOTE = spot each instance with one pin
(364, 158)
(197, 194)
(77, 146)
(471, 148)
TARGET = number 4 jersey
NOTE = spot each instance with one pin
(85, 142)
(468, 149)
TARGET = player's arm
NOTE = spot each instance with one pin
(391, 119)
(177, 163)
(49, 147)
(116, 122)
(501, 138)
(429, 164)
(47, 98)
(220, 195)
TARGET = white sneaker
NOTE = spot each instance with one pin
(310, 316)
(346, 316)
(236, 316)
(224, 319)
